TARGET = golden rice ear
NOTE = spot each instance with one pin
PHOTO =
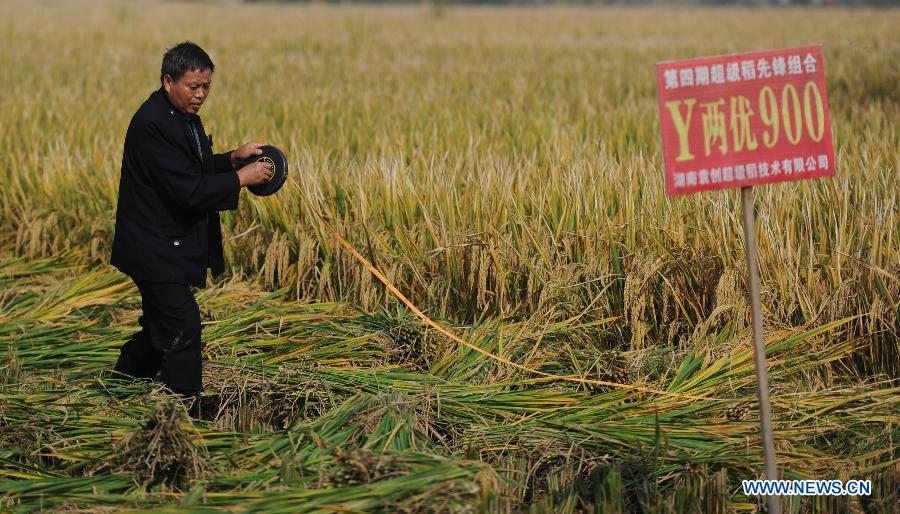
(731, 297)
(642, 284)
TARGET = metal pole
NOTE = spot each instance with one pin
(759, 349)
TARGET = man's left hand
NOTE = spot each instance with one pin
(245, 151)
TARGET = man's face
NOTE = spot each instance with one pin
(189, 92)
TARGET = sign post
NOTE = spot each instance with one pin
(739, 120)
(759, 347)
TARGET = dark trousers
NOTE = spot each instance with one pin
(169, 339)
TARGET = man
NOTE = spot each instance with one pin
(167, 221)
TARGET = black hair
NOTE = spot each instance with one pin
(182, 58)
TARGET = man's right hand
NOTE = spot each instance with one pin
(255, 173)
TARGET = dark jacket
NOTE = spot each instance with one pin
(167, 224)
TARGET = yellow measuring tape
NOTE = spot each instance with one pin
(431, 323)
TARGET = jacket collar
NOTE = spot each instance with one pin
(186, 128)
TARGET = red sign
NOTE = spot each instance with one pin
(744, 119)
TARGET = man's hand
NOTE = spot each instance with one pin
(245, 151)
(255, 173)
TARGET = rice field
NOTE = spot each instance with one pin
(498, 167)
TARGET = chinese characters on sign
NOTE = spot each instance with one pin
(744, 119)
